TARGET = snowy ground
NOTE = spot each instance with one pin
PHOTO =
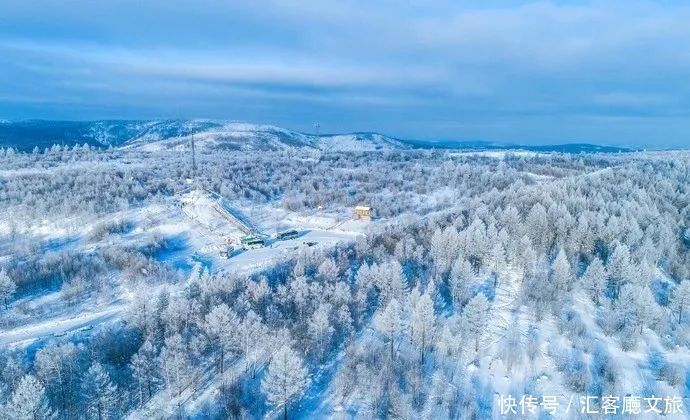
(205, 231)
(58, 327)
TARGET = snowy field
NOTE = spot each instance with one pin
(199, 232)
(483, 279)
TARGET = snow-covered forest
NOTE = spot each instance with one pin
(482, 275)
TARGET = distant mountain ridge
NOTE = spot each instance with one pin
(162, 134)
(486, 145)
(216, 134)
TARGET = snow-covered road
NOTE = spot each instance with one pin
(56, 327)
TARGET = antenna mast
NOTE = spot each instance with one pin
(193, 156)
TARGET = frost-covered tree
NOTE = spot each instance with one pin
(443, 248)
(344, 323)
(99, 393)
(619, 268)
(390, 281)
(527, 256)
(536, 290)
(595, 279)
(476, 243)
(320, 329)
(637, 308)
(645, 273)
(56, 364)
(145, 371)
(220, 325)
(474, 317)
(680, 299)
(299, 292)
(365, 278)
(537, 223)
(388, 321)
(175, 362)
(11, 371)
(561, 274)
(460, 281)
(328, 270)
(249, 335)
(7, 288)
(28, 402)
(496, 256)
(423, 324)
(285, 378)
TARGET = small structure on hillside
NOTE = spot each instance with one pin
(364, 212)
(226, 252)
(287, 234)
(252, 242)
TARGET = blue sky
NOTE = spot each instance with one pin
(613, 72)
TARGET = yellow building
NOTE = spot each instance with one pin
(364, 212)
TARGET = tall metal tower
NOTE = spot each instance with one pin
(193, 156)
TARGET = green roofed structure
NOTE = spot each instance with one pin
(252, 242)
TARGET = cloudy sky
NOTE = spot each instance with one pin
(613, 72)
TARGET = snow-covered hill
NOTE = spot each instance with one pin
(244, 136)
(228, 135)
(25, 135)
(359, 142)
(170, 134)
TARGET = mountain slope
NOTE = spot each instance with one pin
(25, 135)
(170, 134)
(218, 134)
(244, 136)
